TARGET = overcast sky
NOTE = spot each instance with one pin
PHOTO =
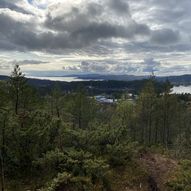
(57, 37)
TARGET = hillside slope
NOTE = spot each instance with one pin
(160, 168)
(151, 174)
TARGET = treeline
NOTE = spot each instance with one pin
(68, 141)
(112, 87)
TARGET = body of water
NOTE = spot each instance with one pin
(181, 89)
(176, 89)
(63, 79)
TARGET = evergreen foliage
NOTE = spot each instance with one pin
(68, 141)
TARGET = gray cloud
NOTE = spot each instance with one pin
(71, 32)
(175, 70)
(150, 65)
(90, 24)
(12, 6)
(4, 65)
(94, 67)
(109, 28)
(15, 34)
(77, 28)
(120, 6)
(125, 68)
(28, 62)
(8, 64)
(105, 30)
(22, 36)
(165, 36)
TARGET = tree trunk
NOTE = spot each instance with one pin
(156, 132)
(150, 128)
(16, 103)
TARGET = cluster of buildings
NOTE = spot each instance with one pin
(106, 99)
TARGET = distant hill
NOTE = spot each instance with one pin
(93, 87)
(176, 80)
(3, 77)
(105, 84)
(109, 77)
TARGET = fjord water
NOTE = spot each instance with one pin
(61, 78)
(181, 89)
(176, 89)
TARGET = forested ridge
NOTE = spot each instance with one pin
(92, 87)
(67, 141)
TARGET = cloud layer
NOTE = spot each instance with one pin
(128, 32)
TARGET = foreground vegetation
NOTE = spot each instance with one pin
(70, 142)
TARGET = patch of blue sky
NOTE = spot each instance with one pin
(30, 1)
(39, 5)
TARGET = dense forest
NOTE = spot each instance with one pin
(66, 141)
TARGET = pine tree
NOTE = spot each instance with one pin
(146, 106)
(17, 84)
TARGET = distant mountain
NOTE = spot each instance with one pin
(3, 77)
(105, 83)
(108, 77)
(93, 87)
(176, 80)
